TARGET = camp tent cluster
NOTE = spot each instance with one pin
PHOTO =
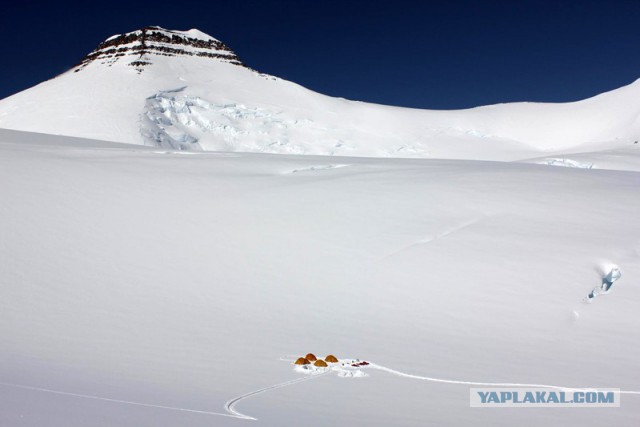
(311, 358)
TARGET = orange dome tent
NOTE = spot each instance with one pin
(320, 363)
(311, 357)
(302, 361)
(331, 359)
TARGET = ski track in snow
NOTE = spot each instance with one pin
(460, 382)
(433, 238)
(229, 406)
(233, 413)
(107, 399)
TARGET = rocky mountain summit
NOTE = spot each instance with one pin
(140, 46)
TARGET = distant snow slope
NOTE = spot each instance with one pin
(149, 287)
(187, 91)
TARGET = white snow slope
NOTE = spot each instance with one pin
(171, 282)
(146, 287)
(200, 103)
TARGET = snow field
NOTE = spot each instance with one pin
(179, 280)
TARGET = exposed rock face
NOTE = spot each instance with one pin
(139, 47)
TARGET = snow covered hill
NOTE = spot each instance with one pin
(186, 90)
(160, 269)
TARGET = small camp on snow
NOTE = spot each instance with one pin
(302, 361)
(320, 363)
(331, 359)
(311, 357)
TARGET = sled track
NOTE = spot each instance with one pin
(460, 382)
(233, 413)
(107, 399)
(229, 406)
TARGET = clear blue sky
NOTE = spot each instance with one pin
(426, 54)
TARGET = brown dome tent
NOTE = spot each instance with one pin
(302, 361)
(320, 363)
(311, 357)
(331, 359)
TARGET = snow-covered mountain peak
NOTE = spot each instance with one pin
(139, 48)
(185, 90)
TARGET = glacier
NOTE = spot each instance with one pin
(175, 226)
